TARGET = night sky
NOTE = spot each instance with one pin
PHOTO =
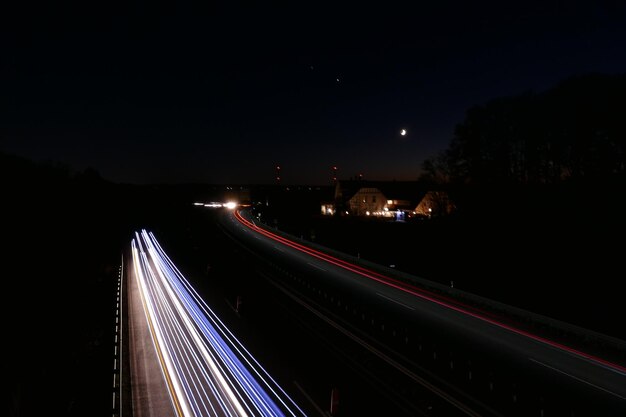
(222, 92)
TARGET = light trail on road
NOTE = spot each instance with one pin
(208, 372)
(426, 295)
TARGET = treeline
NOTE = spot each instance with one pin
(574, 132)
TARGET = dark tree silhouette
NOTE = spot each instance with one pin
(572, 132)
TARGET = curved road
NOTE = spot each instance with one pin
(604, 381)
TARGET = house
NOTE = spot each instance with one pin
(397, 200)
(368, 200)
(435, 203)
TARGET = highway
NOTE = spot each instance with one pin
(548, 377)
(184, 360)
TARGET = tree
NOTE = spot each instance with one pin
(572, 132)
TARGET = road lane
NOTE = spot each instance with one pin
(149, 392)
(466, 322)
(204, 369)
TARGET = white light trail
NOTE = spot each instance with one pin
(208, 371)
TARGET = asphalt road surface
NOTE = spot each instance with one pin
(568, 380)
(184, 360)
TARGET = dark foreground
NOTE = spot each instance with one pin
(65, 236)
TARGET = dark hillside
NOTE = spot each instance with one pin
(61, 241)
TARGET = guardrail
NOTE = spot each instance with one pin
(614, 347)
